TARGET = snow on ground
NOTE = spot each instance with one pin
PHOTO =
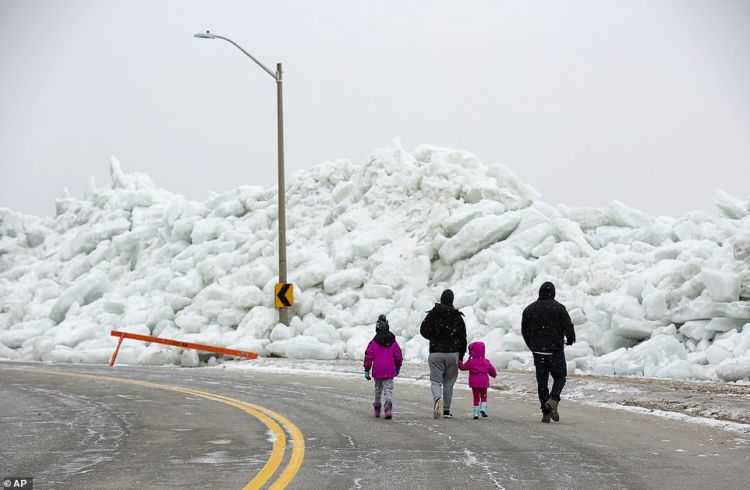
(650, 296)
(717, 404)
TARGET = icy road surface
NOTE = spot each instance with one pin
(70, 432)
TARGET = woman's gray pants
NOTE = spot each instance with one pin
(443, 374)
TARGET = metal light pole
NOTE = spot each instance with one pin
(284, 311)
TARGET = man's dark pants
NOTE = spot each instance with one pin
(545, 365)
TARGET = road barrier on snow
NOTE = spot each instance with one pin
(175, 343)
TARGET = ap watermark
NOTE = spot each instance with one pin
(24, 483)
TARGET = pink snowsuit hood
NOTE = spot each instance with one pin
(480, 369)
(476, 349)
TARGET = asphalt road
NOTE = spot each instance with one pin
(86, 432)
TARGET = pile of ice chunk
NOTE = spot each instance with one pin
(650, 296)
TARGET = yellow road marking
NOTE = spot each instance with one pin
(268, 417)
(298, 448)
(298, 454)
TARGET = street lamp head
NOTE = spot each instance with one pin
(205, 35)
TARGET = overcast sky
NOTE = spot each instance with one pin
(647, 102)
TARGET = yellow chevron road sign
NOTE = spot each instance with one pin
(284, 294)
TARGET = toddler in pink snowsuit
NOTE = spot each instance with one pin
(383, 356)
(480, 370)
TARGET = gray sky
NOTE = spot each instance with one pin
(647, 102)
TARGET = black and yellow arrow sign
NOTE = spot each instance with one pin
(284, 294)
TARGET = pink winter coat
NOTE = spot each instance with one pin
(480, 369)
(384, 361)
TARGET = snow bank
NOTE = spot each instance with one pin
(650, 296)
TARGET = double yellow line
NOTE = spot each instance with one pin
(274, 421)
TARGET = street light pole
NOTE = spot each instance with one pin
(283, 311)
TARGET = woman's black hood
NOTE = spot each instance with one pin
(447, 297)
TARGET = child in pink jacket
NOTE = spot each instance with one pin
(383, 356)
(480, 370)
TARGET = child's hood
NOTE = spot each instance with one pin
(476, 349)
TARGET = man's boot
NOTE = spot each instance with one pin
(545, 418)
(552, 407)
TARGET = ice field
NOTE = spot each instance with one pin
(649, 296)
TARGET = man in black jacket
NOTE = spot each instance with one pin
(445, 329)
(544, 324)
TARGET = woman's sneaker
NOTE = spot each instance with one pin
(437, 409)
(447, 414)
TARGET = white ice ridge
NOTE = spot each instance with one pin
(651, 296)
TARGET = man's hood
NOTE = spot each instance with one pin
(547, 291)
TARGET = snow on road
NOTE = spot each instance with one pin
(720, 405)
